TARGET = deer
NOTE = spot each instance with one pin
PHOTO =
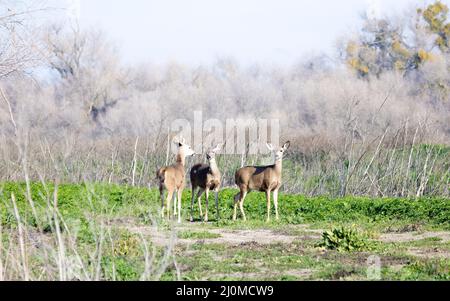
(261, 178)
(207, 178)
(172, 179)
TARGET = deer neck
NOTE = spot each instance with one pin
(213, 166)
(278, 166)
(181, 159)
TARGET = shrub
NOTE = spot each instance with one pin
(344, 239)
(127, 245)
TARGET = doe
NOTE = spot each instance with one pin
(262, 178)
(172, 179)
(206, 177)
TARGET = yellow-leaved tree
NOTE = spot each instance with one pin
(418, 49)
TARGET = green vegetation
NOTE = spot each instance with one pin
(76, 200)
(109, 229)
(344, 239)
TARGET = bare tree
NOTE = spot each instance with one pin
(88, 68)
(20, 46)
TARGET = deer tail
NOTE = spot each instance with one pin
(160, 174)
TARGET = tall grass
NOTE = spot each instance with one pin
(74, 237)
(388, 165)
(39, 244)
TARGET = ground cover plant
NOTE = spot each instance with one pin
(113, 232)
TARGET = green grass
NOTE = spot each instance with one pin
(434, 269)
(74, 200)
(82, 206)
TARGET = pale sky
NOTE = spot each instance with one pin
(252, 31)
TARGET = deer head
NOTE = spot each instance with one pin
(279, 151)
(211, 153)
(183, 148)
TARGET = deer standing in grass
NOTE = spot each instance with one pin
(172, 179)
(206, 177)
(262, 178)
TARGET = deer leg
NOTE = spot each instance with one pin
(192, 204)
(168, 200)
(241, 204)
(199, 198)
(180, 194)
(175, 204)
(275, 202)
(268, 205)
(237, 197)
(161, 195)
(206, 209)
(217, 204)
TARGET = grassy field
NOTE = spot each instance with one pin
(108, 232)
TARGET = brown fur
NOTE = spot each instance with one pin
(207, 178)
(172, 179)
(261, 178)
(202, 176)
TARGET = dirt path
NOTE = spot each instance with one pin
(412, 236)
(266, 236)
(287, 235)
(226, 236)
(429, 252)
(423, 252)
(261, 236)
(300, 273)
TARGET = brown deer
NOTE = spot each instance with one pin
(172, 179)
(206, 177)
(261, 178)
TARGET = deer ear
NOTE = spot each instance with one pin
(176, 140)
(269, 146)
(286, 145)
